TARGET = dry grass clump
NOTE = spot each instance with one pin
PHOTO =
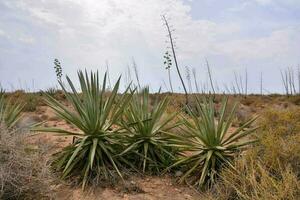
(31, 103)
(252, 180)
(23, 174)
(295, 99)
(280, 139)
(30, 100)
(271, 169)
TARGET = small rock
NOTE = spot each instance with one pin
(187, 196)
(133, 182)
(178, 173)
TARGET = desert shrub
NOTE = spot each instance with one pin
(280, 138)
(144, 126)
(243, 114)
(24, 173)
(60, 96)
(252, 180)
(271, 169)
(30, 102)
(54, 92)
(295, 99)
(247, 101)
(17, 95)
(94, 154)
(205, 146)
(50, 91)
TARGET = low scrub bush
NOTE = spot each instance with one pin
(271, 169)
(31, 102)
(253, 180)
(24, 174)
(54, 92)
(280, 139)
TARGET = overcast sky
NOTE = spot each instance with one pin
(260, 35)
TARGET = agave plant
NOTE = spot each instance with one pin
(207, 144)
(144, 127)
(10, 114)
(94, 152)
(51, 91)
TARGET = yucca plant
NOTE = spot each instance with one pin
(144, 127)
(51, 91)
(94, 152)
(206, 143)
(10, 113)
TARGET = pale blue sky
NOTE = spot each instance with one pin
(260, 35)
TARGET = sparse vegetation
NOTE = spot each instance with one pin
(199, 137)
(270, 170)
(213, 131)
(24, 172)
(31, 103)
(115, 133)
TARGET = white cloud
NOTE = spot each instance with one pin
(279, 3)
(26, 39)
(264, 2)
(279, 44)
(19, 36)
(91, 31)
(3, 34)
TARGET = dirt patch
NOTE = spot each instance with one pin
(135, 188)
(139, 188)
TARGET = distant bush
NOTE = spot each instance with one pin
(51, 91)
(295, 100)
(31, 102)
(55, 93)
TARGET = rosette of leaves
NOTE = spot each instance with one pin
(10, 113)
(95, 113)
(145, 126)
(206, 144)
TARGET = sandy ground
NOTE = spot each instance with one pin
(136, 188)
